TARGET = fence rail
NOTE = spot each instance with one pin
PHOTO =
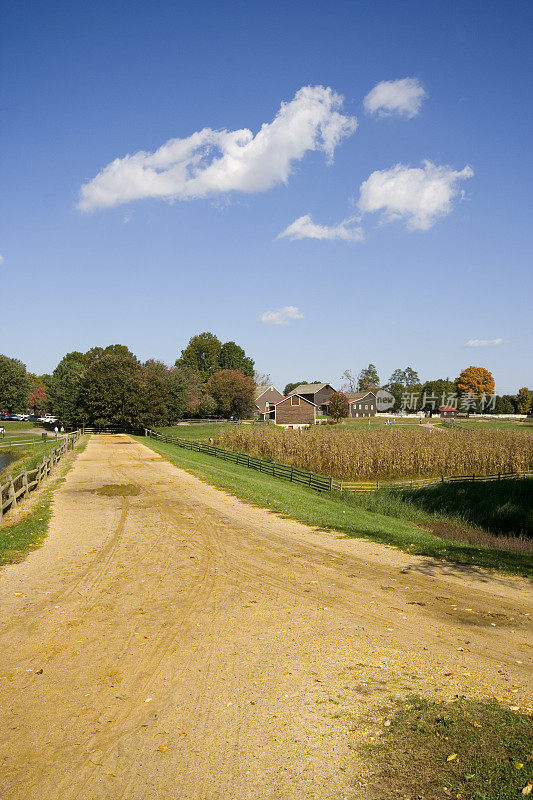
(322, 483)
(14, 490)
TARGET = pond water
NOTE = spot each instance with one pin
(5, 459)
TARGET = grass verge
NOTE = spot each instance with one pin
(26, 534)
(340, 512)
(464, 749)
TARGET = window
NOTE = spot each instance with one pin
(359, 405)
(295, 400)
(366, 408)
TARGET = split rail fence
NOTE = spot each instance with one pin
(321, 483)
(14, 490)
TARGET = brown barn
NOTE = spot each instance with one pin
(317, 393)
(265, 396)
(294, 411)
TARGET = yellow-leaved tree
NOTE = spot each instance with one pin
(477, 380)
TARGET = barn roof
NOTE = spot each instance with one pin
(353, 396)
(292, 395)
(309, 388)
(262, 389)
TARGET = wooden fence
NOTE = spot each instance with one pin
(14, 490)
(322, 483)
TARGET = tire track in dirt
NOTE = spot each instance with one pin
(237, 625)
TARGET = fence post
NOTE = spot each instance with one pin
(12, 490)
(331, 483)
(25, 481)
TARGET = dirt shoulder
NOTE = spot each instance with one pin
(177, 642)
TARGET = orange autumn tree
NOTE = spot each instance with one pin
(477, 380)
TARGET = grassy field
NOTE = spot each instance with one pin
(388, 520)
(27, 533)
(200, 432)
(465, 749)
(25, 451)
(503, 507)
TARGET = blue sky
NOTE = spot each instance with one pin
(426, 259)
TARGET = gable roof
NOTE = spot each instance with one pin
(359, 395)
(292, 394)
(309, 388)
(261, 390)
(352, 397)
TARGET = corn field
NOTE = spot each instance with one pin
(387, 454)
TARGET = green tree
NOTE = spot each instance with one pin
(115, 391)
(436, 393)
(411, 377)
(65, 388)
(202, 354)
(405, 377)
(368, 378)
(227, 383)
(207, 405)
(523, 404)
(338, 405)
(233, 357)
(290, 387)
(14, 385)
(505, 404)
(157, 391)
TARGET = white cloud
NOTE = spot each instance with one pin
(418, 195)
(211, 162)
(282, 316)
(1, 258)
(396, 97)
(483, 342)
(305, 228)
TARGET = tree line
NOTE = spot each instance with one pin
(110, 386)
(407, 388)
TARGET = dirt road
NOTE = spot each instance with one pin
(170, 642)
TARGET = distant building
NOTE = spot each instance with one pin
(360, 404)
(448, 412)
(317, 393)
(265, 397)
(293, 411)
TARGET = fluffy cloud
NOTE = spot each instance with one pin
(282, 316)
(1, 258)
(418, 195)
(396, 97)
(305, 228)
(483, 342)
(210, 162)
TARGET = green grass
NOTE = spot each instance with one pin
(342, 512)
(199, 431)
(525, 425)
(14, 425)
(489, 745)
(26, 456)
(497, 506)
(28, 533)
